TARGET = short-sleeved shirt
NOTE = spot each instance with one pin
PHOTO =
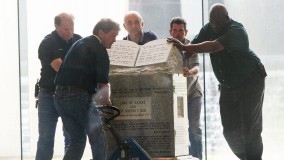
(85, 65)
(193, 85)
(236, 62)
(50, 48)
(146, 37)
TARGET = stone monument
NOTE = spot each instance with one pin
(153, 104)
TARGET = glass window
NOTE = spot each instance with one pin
(10, 82)
(262, 21)
(23, 31)
(40, 14)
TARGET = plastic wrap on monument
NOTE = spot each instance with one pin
(173, 65)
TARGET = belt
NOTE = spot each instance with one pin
(46, 90)
(69, 88)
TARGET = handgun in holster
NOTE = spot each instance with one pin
(36, 93)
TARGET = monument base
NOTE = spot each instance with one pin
(153, 112)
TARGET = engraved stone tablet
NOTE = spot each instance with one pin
(153, 104)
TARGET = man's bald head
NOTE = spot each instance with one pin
(133, 23)
(218, 10)
(64, 25)
(135, 14)
(219, 17)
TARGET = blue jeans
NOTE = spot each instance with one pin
(80, 117)
(241, 114)
(47, 117)
(194, 130)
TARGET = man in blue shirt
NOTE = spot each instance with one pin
(133, 23)
(83, 73)
(242, 80)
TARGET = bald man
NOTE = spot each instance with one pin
(242, 80)
(133, 23)
(51, 52)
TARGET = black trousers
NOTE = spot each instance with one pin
(241, 114)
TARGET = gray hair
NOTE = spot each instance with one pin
(133, 13)
(106, 25)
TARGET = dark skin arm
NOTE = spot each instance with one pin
(204, 47)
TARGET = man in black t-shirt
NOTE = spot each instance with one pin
(242, 80)
(51, 52)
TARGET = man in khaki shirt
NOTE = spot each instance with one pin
(194, 95)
